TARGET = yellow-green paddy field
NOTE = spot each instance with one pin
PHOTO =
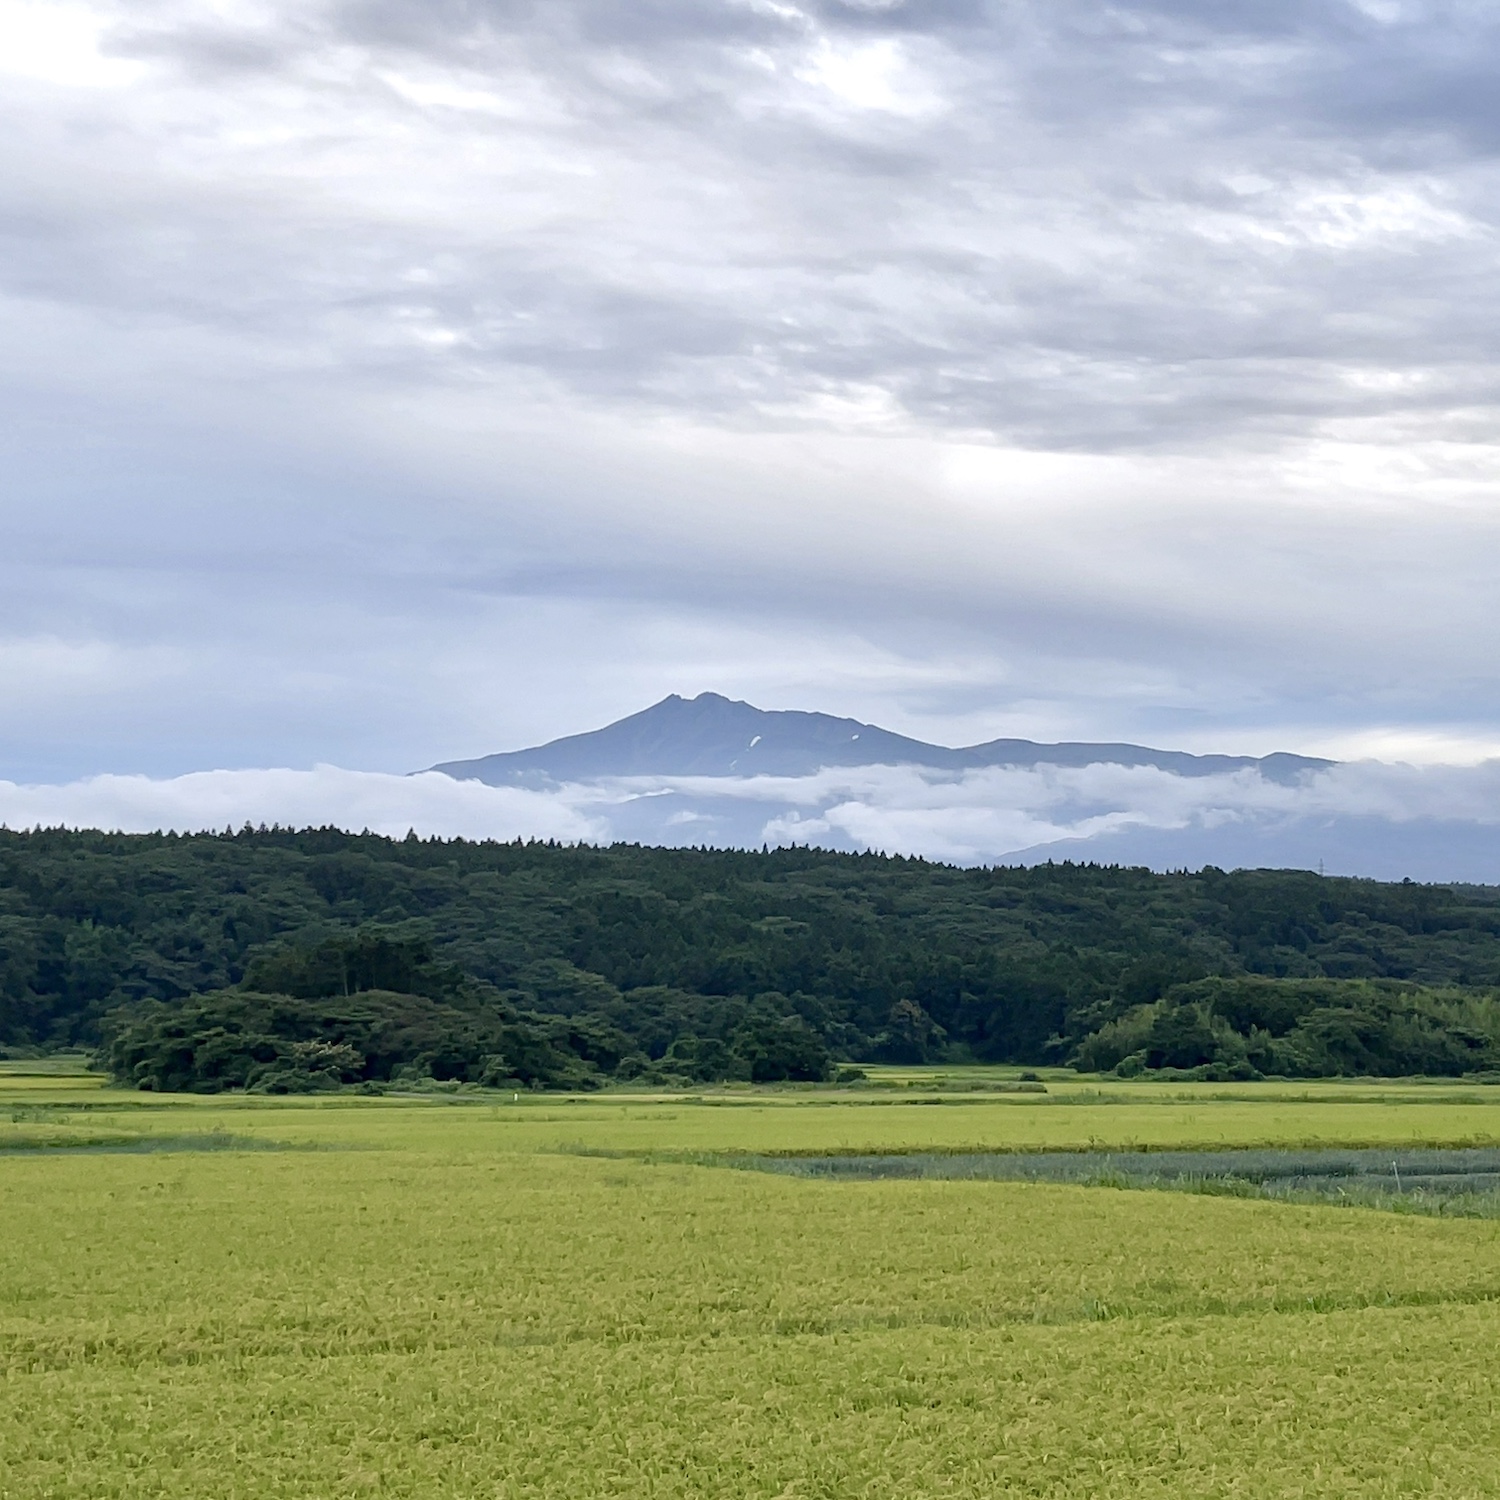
(480, 1295)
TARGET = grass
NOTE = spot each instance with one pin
(449, 1302)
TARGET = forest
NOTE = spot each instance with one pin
(288, 960)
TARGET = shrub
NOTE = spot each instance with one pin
(234, 1039)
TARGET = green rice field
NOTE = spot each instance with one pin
(473, 1295)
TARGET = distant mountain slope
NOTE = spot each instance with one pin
(711, 735)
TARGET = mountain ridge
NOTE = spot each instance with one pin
(711, 735)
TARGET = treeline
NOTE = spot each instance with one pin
(543, 965)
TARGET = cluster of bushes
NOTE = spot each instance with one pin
(310, 1019)
(322, 1017)
(277, 1044)
(1248, 1026)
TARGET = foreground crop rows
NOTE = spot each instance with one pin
(442, 1302)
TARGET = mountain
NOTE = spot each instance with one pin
(714, 772)
(711, 735)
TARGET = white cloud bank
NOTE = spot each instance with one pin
(1435, 822)
(431, 803)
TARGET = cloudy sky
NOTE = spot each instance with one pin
(390, 381)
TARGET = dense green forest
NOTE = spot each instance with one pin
(280, 959)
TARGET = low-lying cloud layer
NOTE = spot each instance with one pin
(1388, 821)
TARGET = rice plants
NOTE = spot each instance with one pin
(443, 1303)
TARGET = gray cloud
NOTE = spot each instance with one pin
(1048, 224)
